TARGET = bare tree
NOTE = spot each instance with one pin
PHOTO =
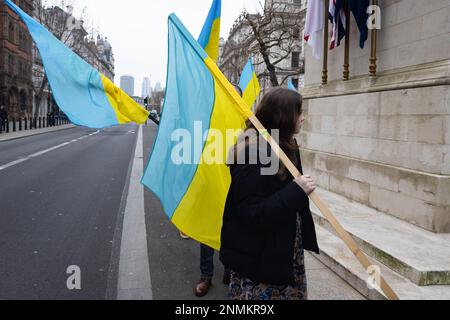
(274, 35)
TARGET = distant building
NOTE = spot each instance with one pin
(158, 87)
(16, 60)
(127, 85)
(146, 88)
(99, 54)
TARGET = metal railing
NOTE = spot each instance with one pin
(31, 123)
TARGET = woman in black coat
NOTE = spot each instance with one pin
(267, 221)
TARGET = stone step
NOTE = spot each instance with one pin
(420, 256)
(336, 256)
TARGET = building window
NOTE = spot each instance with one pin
(296, 33)
(11, 32)
(21, 46)
(23, 101)
(23, 40)
(295, 59)
(11, 65)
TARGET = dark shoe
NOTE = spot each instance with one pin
(226, 278)
(202, 287)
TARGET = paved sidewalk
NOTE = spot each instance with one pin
(27, 133)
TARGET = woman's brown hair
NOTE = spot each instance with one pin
(280, 110)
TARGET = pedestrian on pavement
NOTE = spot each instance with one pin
(267, 222)
(207, 259)
(3, 117)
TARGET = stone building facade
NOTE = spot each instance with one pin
(16, 59)
(97, 53)
(388, 138)
(382, 144)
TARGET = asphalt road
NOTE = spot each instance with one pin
(60, 201)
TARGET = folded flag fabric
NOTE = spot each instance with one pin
(359, 10)
(291, 85)
(193, 192)
(314, 26)
(210, 35)
(85, 95)
(249, 84)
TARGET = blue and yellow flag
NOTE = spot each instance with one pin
(249, 84)
(210, 35)
(199, 99)
(85, 95)
(291, 85)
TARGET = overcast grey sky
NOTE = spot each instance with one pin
(137, 30)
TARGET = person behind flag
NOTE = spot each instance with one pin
(207, 260)
(86, 96)
(249, 84)
(3, 118)
(210, 34)
(267, 222)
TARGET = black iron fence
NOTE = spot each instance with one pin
(22, 124)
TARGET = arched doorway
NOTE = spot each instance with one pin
(12, 103)
(23, 101)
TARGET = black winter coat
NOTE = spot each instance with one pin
(259, 225)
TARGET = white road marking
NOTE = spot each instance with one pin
(40, 153)
(134, 269)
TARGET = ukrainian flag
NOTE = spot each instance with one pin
(85, 95)
(193, 193)
(291, 85)
(210, 35)
(249, 84)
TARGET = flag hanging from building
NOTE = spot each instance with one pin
(338, 19)
(249, 84)
(192, 189)
(359, 10)
(314, 26)
(210, 35)
(85, 95)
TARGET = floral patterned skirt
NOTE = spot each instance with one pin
(244, 289)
